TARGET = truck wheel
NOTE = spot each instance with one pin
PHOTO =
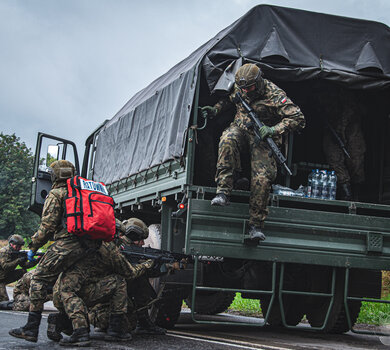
(363, 283)
(293, 309)
(167, 312)
(169, 308)
(211, 303)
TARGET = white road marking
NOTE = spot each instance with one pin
(232, 343)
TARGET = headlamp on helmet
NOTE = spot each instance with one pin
(249, 79)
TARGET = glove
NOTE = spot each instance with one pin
(22, 261)
(30, 255)
(208, 111)
(266, 131)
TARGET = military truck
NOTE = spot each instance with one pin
(322, 258)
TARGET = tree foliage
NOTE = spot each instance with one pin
(16, 164)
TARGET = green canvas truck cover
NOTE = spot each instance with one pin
(289, 44)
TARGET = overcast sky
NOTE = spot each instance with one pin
(67, 65)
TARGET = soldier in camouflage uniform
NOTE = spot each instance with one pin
(344, 114)
(140, 292)
(66, 249)
(9, 260)
(280, 116)
(21, 293)
(98, 278)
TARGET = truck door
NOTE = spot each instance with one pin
(48, 149)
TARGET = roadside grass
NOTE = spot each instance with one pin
(375, 313)
(370, 313)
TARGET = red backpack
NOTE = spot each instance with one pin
(89, 209)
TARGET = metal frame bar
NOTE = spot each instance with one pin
(346, 298)
(330, 295)
(195, 288)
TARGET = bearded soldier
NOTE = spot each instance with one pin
(280, 116)
(66, 249)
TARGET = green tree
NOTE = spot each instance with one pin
(16, 163)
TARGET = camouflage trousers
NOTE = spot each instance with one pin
(139, 292)
(11, 277)
(233, 141)
(59, 256)
(21, 293)
(74, 296)
(347, 170)
(99, 316)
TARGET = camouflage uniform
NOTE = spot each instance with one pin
(139, 292)
(275, 109)
(21, 293)
(65, 251)
(8, 272)
(347, 125)
(98, 278)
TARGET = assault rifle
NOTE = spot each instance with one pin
(134, 254)
(258, 124)
(337, 138)
(23, 254)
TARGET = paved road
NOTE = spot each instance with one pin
(192, 336)
(188, 335)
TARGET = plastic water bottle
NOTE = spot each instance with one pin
(332, 185)
(315, 185)
(310, 183)
(325, 184)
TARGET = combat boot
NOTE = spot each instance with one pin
(146, 326)
(57, 323)
(255, 235)
(115, 331)
(6, 305)
(79, 337)
(346, 192)
(30, 330)
(220, 200)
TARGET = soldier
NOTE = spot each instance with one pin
(21, 293)
(280, 116)
(9, 260)
(98, 278)
(343, 114)
(65, 251)
(140, 289)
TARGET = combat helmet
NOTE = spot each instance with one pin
(136, 229)
(16, 239)
(60, 170)
(249, 75)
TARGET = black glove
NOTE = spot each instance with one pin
(22, 261)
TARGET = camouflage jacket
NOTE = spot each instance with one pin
(274, 108)
(8, 261)
(51, 227)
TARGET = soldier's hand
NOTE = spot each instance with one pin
(22, 261)
(266, 131)
(208, 111)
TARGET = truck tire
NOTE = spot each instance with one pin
(169, 308)
(211, 303)
(167, 312)
(363, 283)
(294, 310)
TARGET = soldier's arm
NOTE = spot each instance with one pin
(51, 219)
(291, 115)
(121, 266)
(8, 265)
